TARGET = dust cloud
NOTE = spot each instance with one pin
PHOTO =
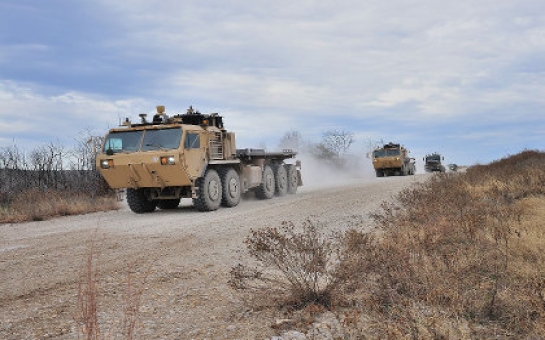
(318, 174)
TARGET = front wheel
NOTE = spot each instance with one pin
(209, 192)
(139, 202)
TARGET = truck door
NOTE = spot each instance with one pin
(194, 153)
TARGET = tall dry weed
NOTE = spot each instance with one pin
(87, 317)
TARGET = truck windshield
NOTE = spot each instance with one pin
(142, 140)
(386, 153)
(161, 139)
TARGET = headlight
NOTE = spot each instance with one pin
(106, 163)
(168, 160)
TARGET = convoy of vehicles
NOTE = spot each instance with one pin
(392, 160)
(432, 163)
(190, 155)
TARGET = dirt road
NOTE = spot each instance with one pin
(184, 255)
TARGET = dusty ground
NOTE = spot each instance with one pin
(187, 255)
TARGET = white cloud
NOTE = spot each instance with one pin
(41, 118)
(271, 67)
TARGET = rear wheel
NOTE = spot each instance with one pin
(231, 187)
(380, 173)
(168, 204)
(280, 180)
(267, 186)
(293, 180)
(139, 202)
(208, 190)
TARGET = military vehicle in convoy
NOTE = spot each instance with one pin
(392, 160)
(190, 155)
(432, 163)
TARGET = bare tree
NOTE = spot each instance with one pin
(321, 152)
(291, 140)
(51, 167)
(337, 141)
(13, 176)
(371, 145)
(84, 164)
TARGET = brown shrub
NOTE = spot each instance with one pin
(294, 267)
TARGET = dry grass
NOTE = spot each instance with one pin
(87, 319)
(463, 247)
(461, 256)
(37, 205)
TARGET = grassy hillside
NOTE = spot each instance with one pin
(463, 255)
(460, 256)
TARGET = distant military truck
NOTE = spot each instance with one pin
(190, 155)
(393, 160)
(432, 163)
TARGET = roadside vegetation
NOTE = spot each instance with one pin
(460, 256)
(51, 181)
(87, 317)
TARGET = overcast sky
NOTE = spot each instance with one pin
(464, 78)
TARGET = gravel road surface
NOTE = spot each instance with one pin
(184, 256)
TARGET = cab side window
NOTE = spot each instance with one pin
(192, 141)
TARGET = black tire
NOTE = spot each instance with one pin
(280, 180)
(293, 179)
(267, 187)
(168, 204)
(380, 173)
(208, 190)
(139, 202)
(230, 182)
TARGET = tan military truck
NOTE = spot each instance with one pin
(392, 160)
(190, 155)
